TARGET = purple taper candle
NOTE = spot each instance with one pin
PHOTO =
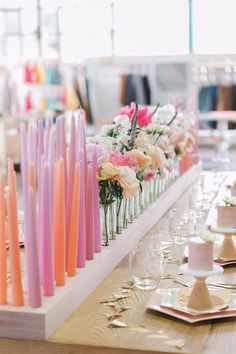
(34, 278)
(46, 236)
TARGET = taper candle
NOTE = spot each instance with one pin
(59, 224)
(71, 176)
(12, 231)
(3, 252)
(46, 236)
(96, 204)
(34, 278)
(81, 258)
(74, 224)
(90, 215)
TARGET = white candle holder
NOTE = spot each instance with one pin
(200, 298)
(227, 249)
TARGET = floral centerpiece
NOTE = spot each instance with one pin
(139, 146)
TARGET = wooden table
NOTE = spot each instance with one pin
(86, 330)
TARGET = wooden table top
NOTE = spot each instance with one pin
(86, 330)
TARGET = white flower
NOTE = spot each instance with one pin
(230, 201)
(166, 113)
(105, 129)
(93, 139)
(123, 121)
(207, 237)
(124, 139)
(107, 143)
(156, 128)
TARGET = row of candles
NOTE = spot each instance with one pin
(61, 211)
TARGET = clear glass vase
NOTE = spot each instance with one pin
(119, 213)
(104, 211)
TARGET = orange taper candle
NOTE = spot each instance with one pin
(12, 230)
(3, 252)
(59, 223)
(74, 224)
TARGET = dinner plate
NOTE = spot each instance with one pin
(155, 304)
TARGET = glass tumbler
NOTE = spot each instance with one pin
(146, 263)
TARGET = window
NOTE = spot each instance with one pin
(214, 26)
(151, 27)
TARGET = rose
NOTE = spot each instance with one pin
(107, 171)
(128, 181)
(148, 174)
(118, 159)
(141, 159)
(144, 117)
(157, 156)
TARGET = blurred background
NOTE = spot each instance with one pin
(58, 55)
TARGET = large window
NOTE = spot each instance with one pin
(151, 27)
(74, 29)
(214, 26)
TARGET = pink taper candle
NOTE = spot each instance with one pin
(51, 159)
(81, 258)
(46, 236)
(58, 139)
(71, 176)
(40, 145)
(90, 215)
(96, 205)
(63, 147)
(34, 286)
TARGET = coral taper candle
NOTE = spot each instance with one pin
(12, 230)
(74, 225)
(3, 252)
(59, 224)
(90, 215)
(34, 278)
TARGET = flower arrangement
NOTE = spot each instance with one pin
(230, 201)
(139, 146)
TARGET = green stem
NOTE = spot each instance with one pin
(106, 231)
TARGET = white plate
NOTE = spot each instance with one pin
(201, 273)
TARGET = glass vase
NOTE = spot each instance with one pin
(105, 224)
(119, 213)
(112, 221)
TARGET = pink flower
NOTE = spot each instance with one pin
(144, 118)
(148, 175)
(116, 158)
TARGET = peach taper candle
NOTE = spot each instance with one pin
(74, 224)
(59, 223)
